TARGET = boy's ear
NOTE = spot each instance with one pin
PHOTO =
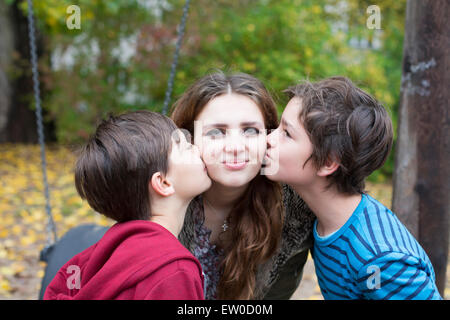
(329, 167)
(161, 185)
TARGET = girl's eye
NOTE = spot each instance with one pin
(286, 133)
(251, 131)
(215, 133)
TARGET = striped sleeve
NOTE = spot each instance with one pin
(397, 276)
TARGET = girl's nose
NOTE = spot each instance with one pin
(234, 143)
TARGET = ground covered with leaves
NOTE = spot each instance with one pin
(23, 221)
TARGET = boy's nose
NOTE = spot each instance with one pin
(197, 151)
(272, 138)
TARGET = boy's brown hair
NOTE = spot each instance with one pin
(114, 168)
(347, 125)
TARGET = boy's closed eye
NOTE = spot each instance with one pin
(286, 133)
(287, 129)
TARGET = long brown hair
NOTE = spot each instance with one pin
(257, 217)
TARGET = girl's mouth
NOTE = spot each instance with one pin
(235, 165)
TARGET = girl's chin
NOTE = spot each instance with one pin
(230, 180)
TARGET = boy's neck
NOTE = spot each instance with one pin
(331, 207)
(169, 213)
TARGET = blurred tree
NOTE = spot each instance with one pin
(120, 58)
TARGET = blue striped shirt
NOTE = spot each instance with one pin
(373, 256)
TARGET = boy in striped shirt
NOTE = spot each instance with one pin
(331, 137)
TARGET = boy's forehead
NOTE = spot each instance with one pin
(294, 105)
(292, 111)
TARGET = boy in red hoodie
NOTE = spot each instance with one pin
(139, 170)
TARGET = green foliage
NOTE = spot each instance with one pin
(278, 41)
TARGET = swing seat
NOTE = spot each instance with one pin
(72, 243)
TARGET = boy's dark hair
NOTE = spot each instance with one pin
(347, 125)
(114, 168)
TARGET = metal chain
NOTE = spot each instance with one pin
(40, 129)
(175, 58)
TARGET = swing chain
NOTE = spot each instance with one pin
(51, 229)
(173, 68)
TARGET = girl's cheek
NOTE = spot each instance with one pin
(210, 153)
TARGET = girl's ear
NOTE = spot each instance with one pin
(161, 185)
(329, 167)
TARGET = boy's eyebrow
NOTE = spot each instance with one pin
(177, 137)
(286, 123)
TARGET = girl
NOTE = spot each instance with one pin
(250, 246)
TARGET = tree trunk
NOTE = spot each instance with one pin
(17, 118)
(6, 53)
(422, 175)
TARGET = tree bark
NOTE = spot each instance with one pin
(17, 118)
(6, 54)
(422, 175)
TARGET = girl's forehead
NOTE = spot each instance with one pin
(230, 109)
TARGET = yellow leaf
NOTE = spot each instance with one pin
(4, 233)
(40, 274)
(27, 240)
(57, 217)
(18, 268)
(7, 220)
(74, 200)
(4, 285)
(6, 271)
(16, 230)
(5, 206)
(29, 201)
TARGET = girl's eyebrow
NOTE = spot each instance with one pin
(242, 124)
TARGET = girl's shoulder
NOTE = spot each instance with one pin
(297, 213)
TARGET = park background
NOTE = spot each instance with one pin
(120, 60)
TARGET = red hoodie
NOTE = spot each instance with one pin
(134, 260)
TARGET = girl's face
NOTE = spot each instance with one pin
(231, 137)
